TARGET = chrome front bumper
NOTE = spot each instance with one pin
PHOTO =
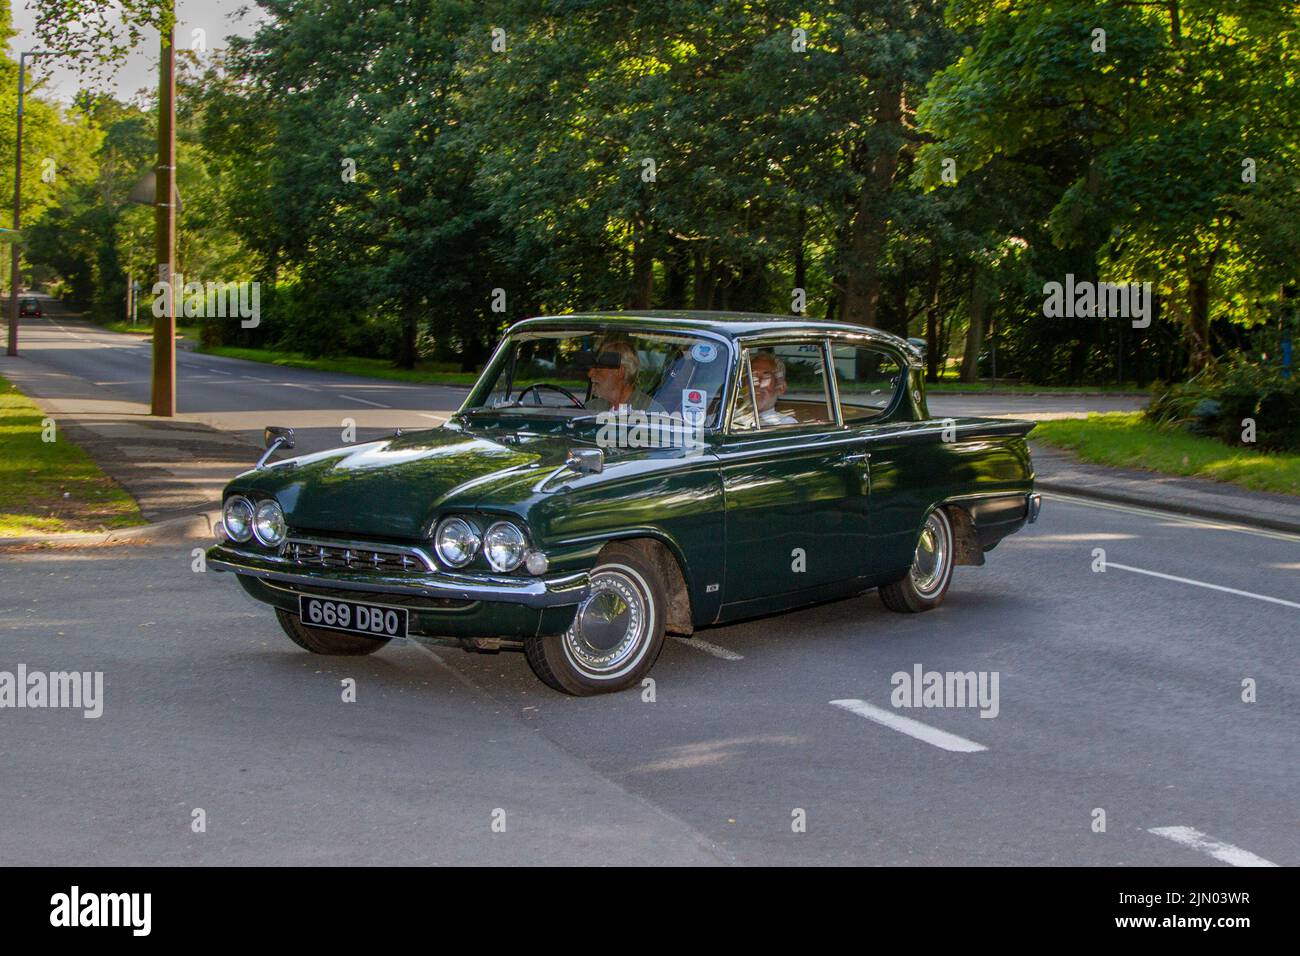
(551, 590)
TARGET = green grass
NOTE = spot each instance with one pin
(1125, 440)
(1016, 388)
(52, 486)
(429, 373)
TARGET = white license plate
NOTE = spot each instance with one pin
(377, 620)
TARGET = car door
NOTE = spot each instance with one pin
(795, 486)
(871, 382)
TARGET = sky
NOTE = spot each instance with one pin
(217, 18)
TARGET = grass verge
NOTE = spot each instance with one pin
(1125, 440)
(52, 486)
(1017, 388)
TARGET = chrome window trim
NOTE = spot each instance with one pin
(744, 345)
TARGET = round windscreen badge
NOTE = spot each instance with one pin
(704, 352)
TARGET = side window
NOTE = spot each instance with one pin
(867, 378)
(789, 385)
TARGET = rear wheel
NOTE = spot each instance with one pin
(926, 582)
(616, 634)
(320, 641)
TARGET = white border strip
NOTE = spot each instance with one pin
(1202, 584)
(1223, 852)
(913, 728)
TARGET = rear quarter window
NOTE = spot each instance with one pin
(868, 378)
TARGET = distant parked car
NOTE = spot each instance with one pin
(29, 307)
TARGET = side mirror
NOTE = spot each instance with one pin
(275, 437)
(590, 461)
(274, 434)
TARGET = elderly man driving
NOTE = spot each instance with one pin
(614, 387)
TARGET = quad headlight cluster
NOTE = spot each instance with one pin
(504, 544)
(245, 521)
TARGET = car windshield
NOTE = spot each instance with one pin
(589, 371)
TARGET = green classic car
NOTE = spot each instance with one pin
(616, 477)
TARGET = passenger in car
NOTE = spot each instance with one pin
(769, 385)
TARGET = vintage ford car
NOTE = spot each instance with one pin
(616, 477)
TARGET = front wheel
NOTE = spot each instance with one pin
(616, 634)
(927, 580)
(320, 641)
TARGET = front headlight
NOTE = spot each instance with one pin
(505, 546)
(237, 518)
(457, 542)
(268, 523)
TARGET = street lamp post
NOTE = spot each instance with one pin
(18, 201)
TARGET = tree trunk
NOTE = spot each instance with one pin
(410, 328)
(1198, 320)
(676, 276)
(800, 269)
(701, 291)
(643, 269)
(932, 321)
(975, 334)
(870, 218)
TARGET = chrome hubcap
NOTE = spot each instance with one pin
(930, 563)
(609, 626)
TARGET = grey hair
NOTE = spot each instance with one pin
(778, 366)
(628, 360)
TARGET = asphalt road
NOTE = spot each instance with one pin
(1117, 691)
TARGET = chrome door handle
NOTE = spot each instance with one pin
(857, 456)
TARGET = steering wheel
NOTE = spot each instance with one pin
(556, 388)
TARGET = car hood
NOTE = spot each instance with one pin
(394, 488)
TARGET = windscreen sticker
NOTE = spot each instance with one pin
(694, 403)
(704, 352)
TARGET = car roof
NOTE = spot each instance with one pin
(733, 325)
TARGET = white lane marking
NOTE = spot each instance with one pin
(298, 385)
(1168, 516)
(254, 378)
(364, 401)
(1202, 584)
(1223, 852)
(222, 371)
(913, 728)
(708, 648)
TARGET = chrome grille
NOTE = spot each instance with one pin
(354, 556)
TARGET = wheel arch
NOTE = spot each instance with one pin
(662, 553)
